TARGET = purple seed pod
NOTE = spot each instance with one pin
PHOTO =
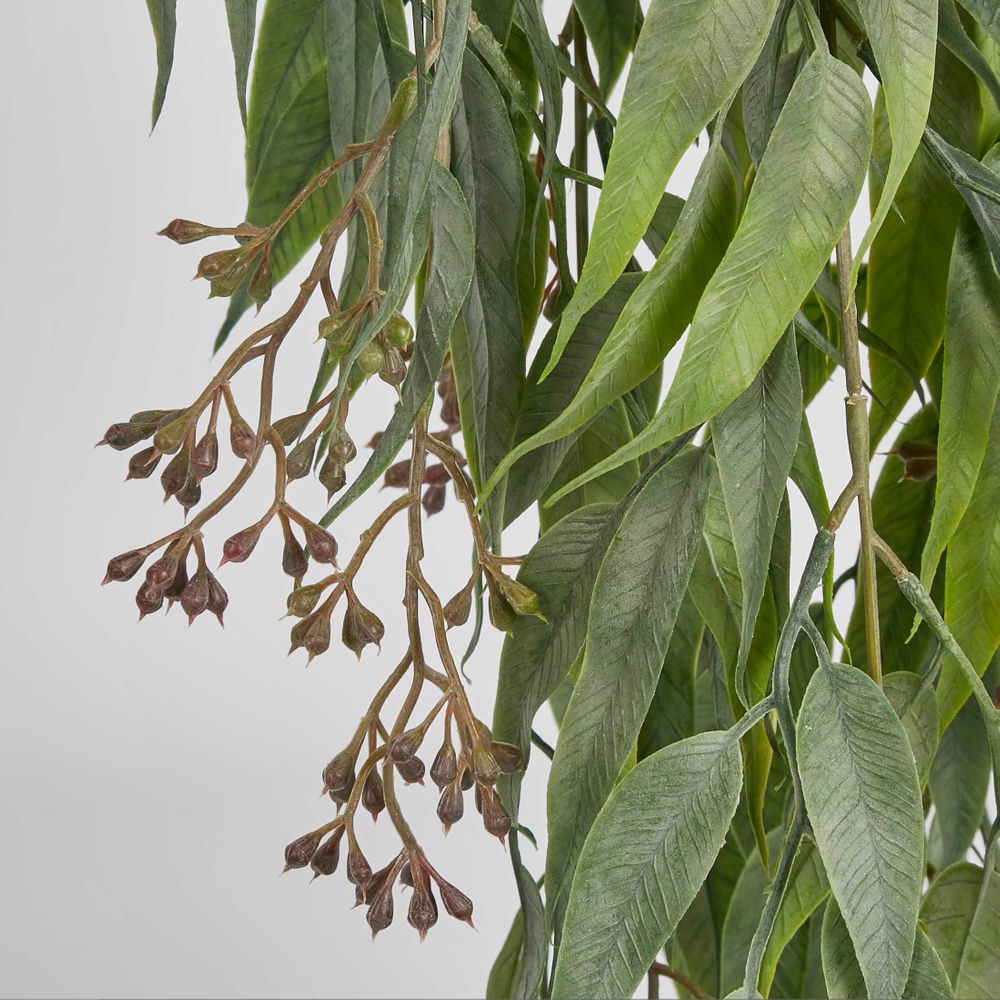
(411, 771)
(362, 627)
(121, 437)
(317, 637)
(143, 463)
(435, 475)
(176, 474)
(508, 757)
(218, 599)
(148, 600)
(190, 494)
(451, 805)
(402, 747)
(359, 872)
(242, 439)
(125, 566)
(338, 775)
(205, 457)
(322, 545)
(161, 574)
(194, 599)
(484, 766)
(456, 903)
(184, 231)
(327, 856)
(294, 560)
(379, 915)
(445, 768)
(423, 912)
(237, 548)
(495, 818)
(372, 794)
(397, 475)
(300, 852)
(434, 499)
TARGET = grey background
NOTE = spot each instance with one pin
(151, 775)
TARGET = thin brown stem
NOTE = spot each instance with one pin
(661, 969)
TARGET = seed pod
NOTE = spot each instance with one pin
(322, 545)
(125, 566)
(375, 438)
(327, 856)
(435, 475)
(370, 359)
(456, 903)
(237, 548)
(444, 769)
(467, 779)
(205, 457)
(183, 231)
(919, 470)
(508, 757)
(379, 915)
(404, 746)
(411, 771)
(293, 558)
(214, 265)
(398, 474)
(915, 449)
(342, 446)
(171, 435)
(449, 409)
(303, 600)
(338, 331)
(317, 637)
(190, 493)
(362, 627)
(338, 775)
(521, 598)
(241, 438)
(457, 610)
(289, 429)
(372, 794)
(451, 805)
(406, 875)
(359, 872)
(175, 475)
(194, 599)
(403, 103)
(300, 459)
(177, 585)
(121, 437)
(484, 767)
(423, 912)
(225, 284)
(502, 614)
(161, 574)
(148, 600)
(143, 463)
(332, 475)
(495, 818)
(393, 369)
(434, 500)
(398, 331)
(262, 281)
(218, 599)
(300, 852)
(298, 633)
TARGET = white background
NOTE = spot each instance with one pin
(150, 775)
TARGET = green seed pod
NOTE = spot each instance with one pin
(262, 281)
(227, 283)
(398, 330)
(502, 614)
(143, 463)
(371, 359)
(171, 436)
(338, 332)
(362, 627)
(508, 757)
(403, 103)
(215, 265)
(303, 600)
(332, 475)
(300, 459)
(342, 446)
(289, 429)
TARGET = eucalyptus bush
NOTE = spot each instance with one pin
(746, 796)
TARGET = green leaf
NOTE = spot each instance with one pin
(534, 939)
(926, 979)
(610, 27)
(972, 581)
(953, 35)
(903, 36)
(503, 974)
(912, 699)
(820, 144)
(652, 320)
(163, 17)
(689, 59)
(486, 162)
(756, 437)
(800, 971)
(242, 18)
(862, 797)
(496, 15)
(629, 893)
(987, 14)
(351, 44)
(970, 385)
(807, 476)
(959, 779)
(636, 600)
(962, 915)
(909, 259)
(763, 97)
(446, 287)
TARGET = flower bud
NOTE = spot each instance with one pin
(444, 769)
(289, 429)
(205, 457)
(362, 627)
(342, 447)
(457, 610)
(495, 818)
(423, 912)
(338, 775)
(175, 475)
(434, 499)
(508, 757)
(300, 459)
(372, 794)
(317, 637)
(218, 599)
(397, 475)
(121, 437)
(370, 358)
(322, 545)
(411, 771)
(456, 903)
(171, 435)
(183, 231)
(241, 438)
(502, 614)
(398, 331)
(237, 548)
(451, 805)
(303, 600)
(403, 103)
(300, 852)
(484, 767)
(148, 600)
(125, 566)
(262, 281)
(194, 599)
(327, 856)
(332, 475)
(404, 746)
(293, 558)
(161, 574)
(214, 265)
(143, 463)
(359, 872)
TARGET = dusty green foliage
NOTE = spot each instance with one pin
(728, 806)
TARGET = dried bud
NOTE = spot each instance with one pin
(121, 437)
(125, 566)
(214, 265)
(303, 600)
(237, 548)
(332, 475)
(398, 474)
(456, 903)
(300, 852)
(456, 611)
(322, 545)
(161, 574)
(495, 818)
(370, 359)
(171, 435)
(194, 599)
(359, 872)
(327, 856)
(183, 231)
(262, 281)
(148, 600)
(241, 438)
(508, 757)
(342, 447)
(293, 558)
(433, 501)
(411, 771)
(372, 794)
(338, 331)
(423, 912)
(218, 599)
(175, 475)
(398, 331)
(484, 766)
(362, 627)
(451, 805)
(143, 463)
(300, 459)
(445, 768)
(502, 614)
(205, 457)
(189, 495)
(338, 775)
(393, 370)
(317, 637)
(289, 429)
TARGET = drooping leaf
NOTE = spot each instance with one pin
(970, 384)
(762, 94)
(163, 17)
(689, 59)
(912, 699)
(242, 18)
(351, 41)
(610, 27)
(447, 284)
(636, 600)
(534, 939)
(903, 36)
(909, 259)
(756, 438)
(820, 144)
(629, 893)
(959, 778)
(926, 979)
(961, 912)
(862, 797)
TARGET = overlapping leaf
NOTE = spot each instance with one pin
(610, 27)
(242, 18)
(163, 17)
(912, 699)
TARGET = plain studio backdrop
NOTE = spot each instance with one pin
(150, 775)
